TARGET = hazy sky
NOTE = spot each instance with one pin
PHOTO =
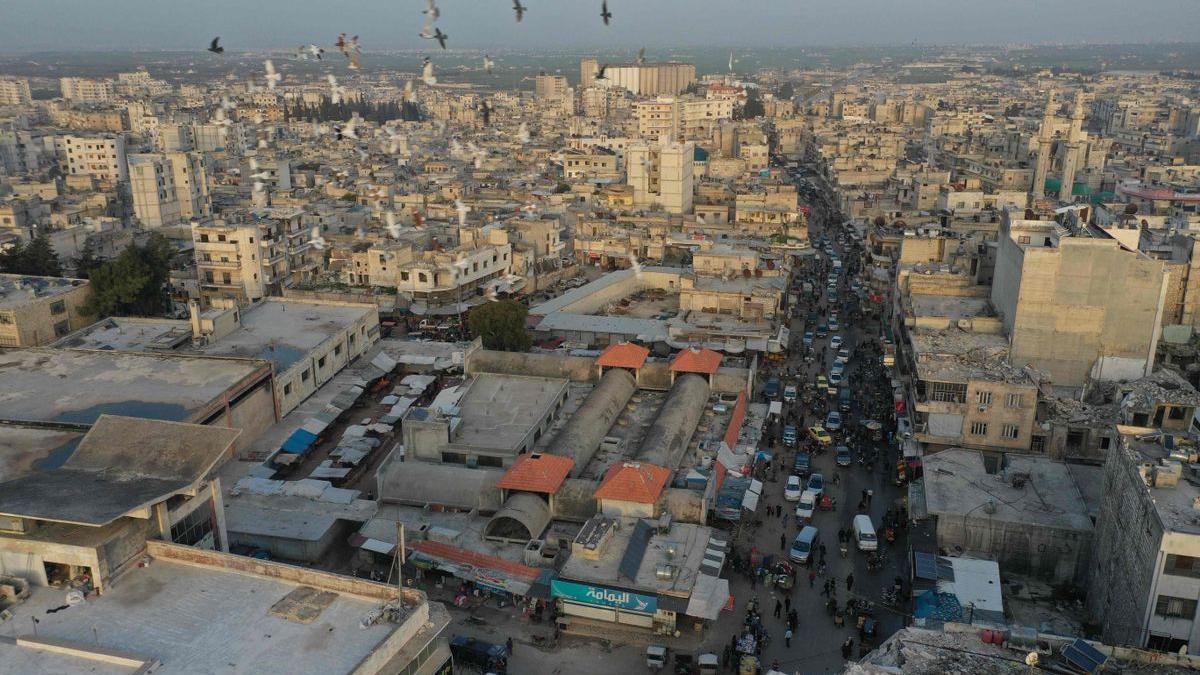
(27, 25)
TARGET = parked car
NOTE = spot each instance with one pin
(833, 421)
(772, 389)
(806, 507)
(843, 356)
(803, 545)
(802, 464)
(808, 339)
(790, 436)
(820, 435)
(835, 342)
(790, 393)
(791, 491)
(816, 483)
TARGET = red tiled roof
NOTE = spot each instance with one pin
(735, 422)
(537, 473)
(455, 554)
(623, 355)
(693, 360)
(633, 482)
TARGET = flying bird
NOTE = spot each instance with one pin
(393, 227)
(641, 58)
(440, 37)
(635, 265)
(488, 63)
(214, 47)
(355, 62)
(523, 133)
(604, 13)
(519, 10)
(272, 76)
(431, 10)
(427, 72)
(336, 91)
(316, 240)
(409, 94)
(463, 210)
(347, 45)
(309, 51)
(600, 71)
(486, 110)
(427, 31)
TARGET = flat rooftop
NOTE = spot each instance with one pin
(284, 331)
(957, 484)
(18, 290)
(498, 410)
(949, 306)
(1175, 505)
(77, 386)
(198, 620)
(127, 334)
(25, 449)
(690, 542)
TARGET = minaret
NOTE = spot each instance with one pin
(1074, 147)
(1045, 139)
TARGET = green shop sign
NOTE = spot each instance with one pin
(605, 597)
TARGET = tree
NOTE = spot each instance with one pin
(87, 261)
(753, 108)
(133, 282)
(786, 91)
(35, 258)
(501, 325)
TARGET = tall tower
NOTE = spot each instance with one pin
(1045, 139)
(1075, 140)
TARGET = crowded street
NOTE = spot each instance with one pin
(842, 601)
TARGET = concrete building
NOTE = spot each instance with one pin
(75, 387)
(102, 157)
(595, 164)
(83, 90)
(469, 425)
(36, 311)
(14, 91)
(169, 188)
(643, 79)
(1026, 514)
(164, 617)
(1075, 303)
(247, 261)
(86, 520)
(661, 175)
(1146, 578)
(307, 342)
(550, 86)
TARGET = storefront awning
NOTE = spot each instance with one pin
(709, 596)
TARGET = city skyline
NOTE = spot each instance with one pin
(69, 25)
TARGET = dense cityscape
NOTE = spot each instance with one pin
(767, 360)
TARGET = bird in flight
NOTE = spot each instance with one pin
(604, 13)
(335, 90)
(641, 58)
(431, 10)
(216, 48)
(272, 76)
(316, 240)
(486, 110)
(600, 71)
(347, 45)
(488, 63)
(427, 72)
(519, 10)
(314, 50)
(440, 37)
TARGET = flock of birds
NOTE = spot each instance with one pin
(350, 48)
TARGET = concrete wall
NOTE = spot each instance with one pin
(729, 380)
(576, 369)
(1055, 555)
(33, 324)
(308, 551)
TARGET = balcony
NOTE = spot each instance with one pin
(226, 264)
(218, 283)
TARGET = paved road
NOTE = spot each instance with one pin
(816, 644)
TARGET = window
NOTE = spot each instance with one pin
(321, 362)
(1010, 431)
(1175, 413)
(6, 318)
(979, 428)
(1182, 566)
(947, 392)
(304, 375)
(287, 389)
(1014, 400)
(337, 349)
(58, 307)
(404, 276)
(195, 527)
(983, 397)
(485, 460)
(1175, 608)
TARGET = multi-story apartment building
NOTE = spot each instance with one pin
(661, 175)
(82, 90)
(1075, 303)
(597, 163)
(169, 188)
(550, 86)
(684, 117)
(14, 91)
(102, 157)
(250, 260)
(36, 311)
(1145, 585)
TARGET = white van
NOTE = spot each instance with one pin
(864, 533)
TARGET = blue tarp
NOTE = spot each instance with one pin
(299, 442)
(938, 606)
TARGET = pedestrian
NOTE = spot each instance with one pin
(847, 646)
(822, 552)
(508, 645)
(785, 519)
(778, 608)
(787, 637)
(849, 581)
(787, 604)
(812, 579)
(733, 641)
(782, 542)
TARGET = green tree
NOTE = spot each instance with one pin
(87, 261)
(786, 91)
(36, 258)
(133, 283)
(501, 325)
(754, 107)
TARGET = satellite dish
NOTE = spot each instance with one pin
(1031, 659)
